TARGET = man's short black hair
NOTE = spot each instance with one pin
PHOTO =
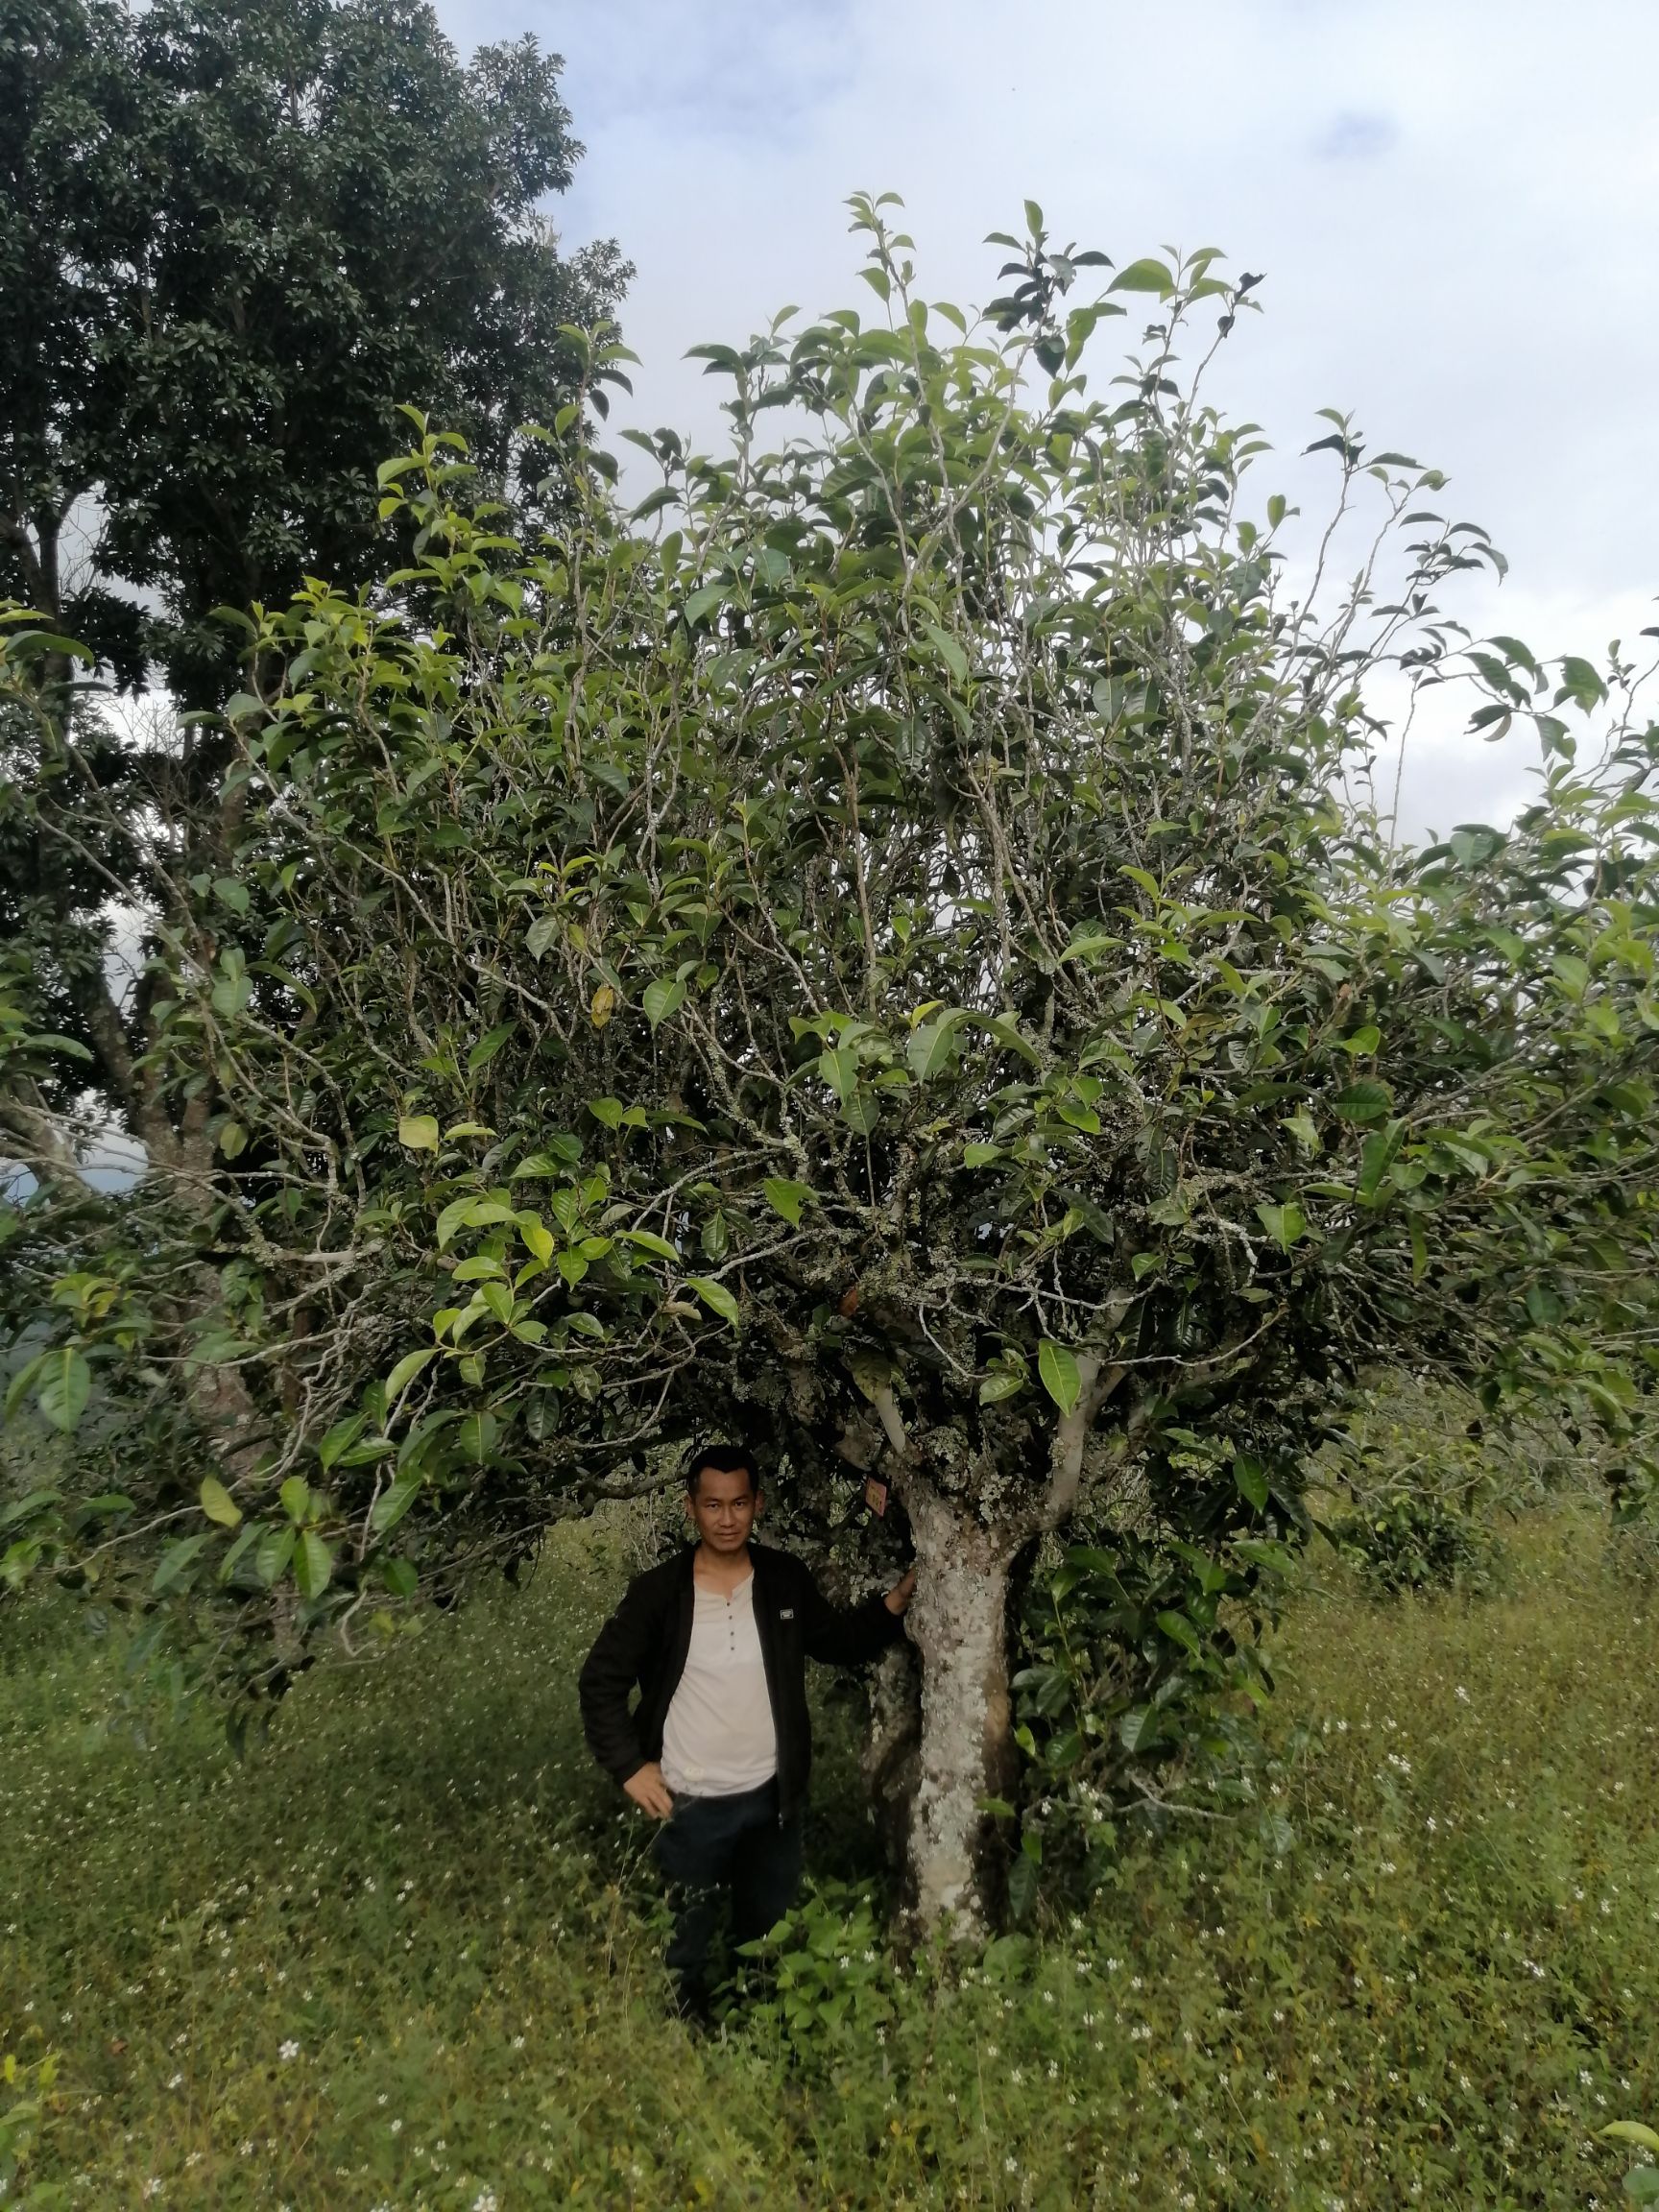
(723, 1460)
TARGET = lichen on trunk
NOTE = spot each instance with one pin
(958, 1621)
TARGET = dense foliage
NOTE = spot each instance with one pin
(875, 948)
(236, 239)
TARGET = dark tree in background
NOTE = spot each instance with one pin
(236, 237)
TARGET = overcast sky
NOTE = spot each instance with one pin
(1455, 203)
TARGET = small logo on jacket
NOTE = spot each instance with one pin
(786, 1613)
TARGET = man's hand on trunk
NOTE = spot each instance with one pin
(900, 1596)
(649, 1792)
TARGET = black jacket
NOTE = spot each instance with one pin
(646, 1640)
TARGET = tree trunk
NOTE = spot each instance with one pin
(891, 1758)
(958, 1621)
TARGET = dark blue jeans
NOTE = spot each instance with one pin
(718, 1848)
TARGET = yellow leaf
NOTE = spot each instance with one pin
(218, 1504)
(602, 1005)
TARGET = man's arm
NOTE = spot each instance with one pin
(608, 1675)
(851, 1635)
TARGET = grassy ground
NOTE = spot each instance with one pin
(406, 1956)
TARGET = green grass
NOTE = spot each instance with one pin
(406, 1956)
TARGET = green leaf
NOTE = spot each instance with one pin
(1006, 1033)
(406, 1370)
(1632, 2132)
(705, 602)
(663, 997)
(1251, 1477)
(1641, 2184)
(296, 1496)
(271, 1560)
(1137, 1729)
(313, 1565)
(1059, 1374)
(1285, 1224)
(230, 893)
(471, 1213)
(1580, 684)
(64, 1383)
(537, 1242)
(716, 1297)
(488, 1046)
(1002, 1383)
(930, 1046)
(1023, 1887)
(21, 1384)
(418, 1132)
(1366, 1101)
(980, 1155)
(236, 1552)
(541, 932)
(948, 651)
(1376, 1156)
(1147, 275)
(342, 1434)
(218, 1504)
(609, 1111)
(786, 1198)
(49, 1040)
(648, 1240)
(232, 1140)
(1179, 1629)
(231, 994)
(839, 1068)
(25, 1508)
(1301, 1127)
(452, 1217)
(390, 1508)
(176, 1560)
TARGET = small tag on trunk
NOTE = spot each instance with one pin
(876, 1495)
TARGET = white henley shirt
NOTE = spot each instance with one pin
(719, 1738)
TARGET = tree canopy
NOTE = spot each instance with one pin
(237, 239)
(876, 946)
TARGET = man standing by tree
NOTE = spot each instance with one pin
(719, 1746)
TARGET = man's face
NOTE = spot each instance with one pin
(723, 1509)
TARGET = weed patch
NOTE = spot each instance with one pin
(406, 1955)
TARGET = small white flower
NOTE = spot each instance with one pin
(288, 2050)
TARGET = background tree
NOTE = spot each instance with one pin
(878, 949)
(237, 237)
